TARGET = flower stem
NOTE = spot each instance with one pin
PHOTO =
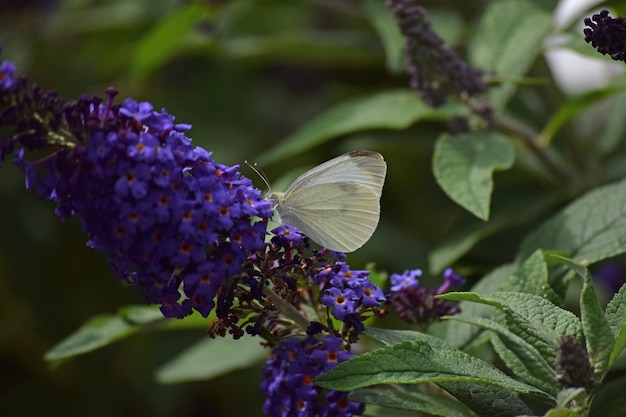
(287, 309)
(529, 139)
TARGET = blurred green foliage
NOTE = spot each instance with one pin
(246, 74)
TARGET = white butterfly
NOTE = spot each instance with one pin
(337, 203)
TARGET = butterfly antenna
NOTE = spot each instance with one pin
(260, 173)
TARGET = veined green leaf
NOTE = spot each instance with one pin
(598, 334)
(459, 334)
(487, 400)
(521, 357)
(392, 337)
(531, 277)
(548, 321)
(590, 229)
(416, 362)
(616, 316)
(431, 404)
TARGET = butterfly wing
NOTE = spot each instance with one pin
(337, 203)
(339, 216)
(365, 168)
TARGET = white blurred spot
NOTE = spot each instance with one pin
(575, 73)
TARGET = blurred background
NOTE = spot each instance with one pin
(246, 74)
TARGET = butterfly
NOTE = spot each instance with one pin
(337, 203)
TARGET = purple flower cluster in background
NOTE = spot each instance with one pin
(418, 305)
(436, 71)
(607, 34)
(610, 275)
(289, 375)
(171, 220)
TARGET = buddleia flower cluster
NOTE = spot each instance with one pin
(338, 299)
(289, 376)
(607, 34)
(192, 234)
(418, 305)
(436, 71)
(171, 220)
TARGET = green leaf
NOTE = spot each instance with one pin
(517, 357)
(616, 316)
(509, 38)
(389, 34)
(614, 127)
(531, 317)
(536, 314)
(450, 25)
(388, 110)
(567, 395)
(598, 334)
(167, 39)
(620, 362)
(521, 357)
(487, 400)
(464, 164)
(563, 412)
(610, 401)
(460, 334)
(503, 217)
(567, 403)
(82, 19)
(416, 362)
(97, 332)
(589, 230)
(392, 337)
(210, 358)
(140, 315)
(532, 277)
(573, 107)
(436, 405)
(150, 318)
(105, 329)
(308, 47)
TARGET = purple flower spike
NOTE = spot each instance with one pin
(171, 220)
(289, 376)
(607, 34)
(418, 305)
(348, 292)
(436, 71)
